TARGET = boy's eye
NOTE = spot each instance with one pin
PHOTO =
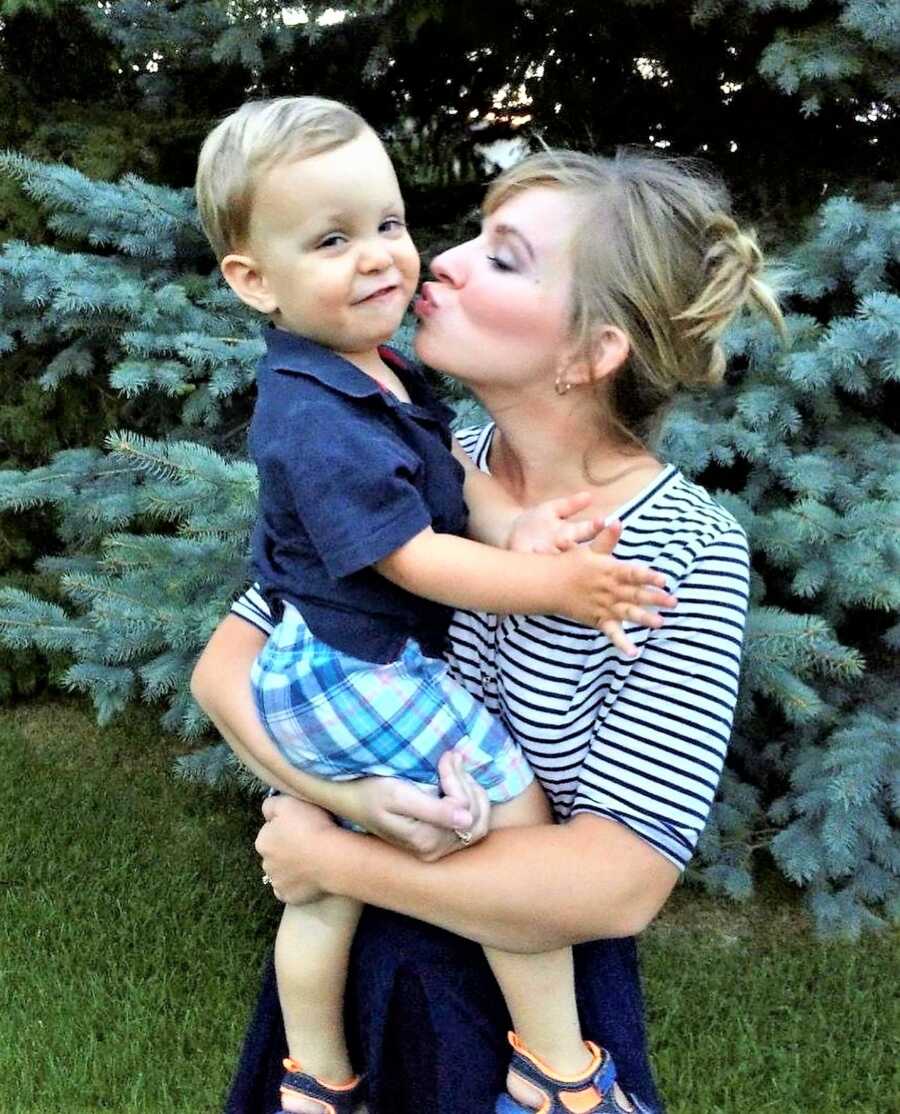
(392, 224)
(500, 264)
(333, 239)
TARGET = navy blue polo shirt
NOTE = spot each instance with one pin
(347, 474)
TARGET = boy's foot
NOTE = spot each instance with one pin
(302, 1093)
(533, 1087)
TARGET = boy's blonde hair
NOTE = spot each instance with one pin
(657, 255)
(250, 141)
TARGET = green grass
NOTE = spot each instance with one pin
(132, 926)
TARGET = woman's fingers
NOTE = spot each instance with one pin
(454, 774)
(446, 812)
(456, 785)
(479, 805)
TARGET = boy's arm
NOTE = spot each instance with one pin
(585, 584)
(496, 518)
(492, 510)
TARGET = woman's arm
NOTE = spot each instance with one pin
(521, 889)
(393, 809)
(538, 888)
(220, 683)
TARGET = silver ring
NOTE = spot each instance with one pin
(465, 838)
(266, 880)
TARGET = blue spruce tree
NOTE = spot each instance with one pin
(802, 444)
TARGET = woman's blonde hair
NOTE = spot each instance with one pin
(250, 141)
(656, 254)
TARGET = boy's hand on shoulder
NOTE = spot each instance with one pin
(603, 592)
(548, 527)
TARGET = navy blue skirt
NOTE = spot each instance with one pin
(426, 1022)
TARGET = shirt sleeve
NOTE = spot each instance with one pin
(352, 486)
(252, 608)
(660, 741)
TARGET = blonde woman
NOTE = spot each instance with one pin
(596, 289)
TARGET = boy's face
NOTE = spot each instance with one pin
(328, 254)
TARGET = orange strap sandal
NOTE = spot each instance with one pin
(592, 1092)
(336, 1098)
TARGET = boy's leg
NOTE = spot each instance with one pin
(311, 954)
(539, 988)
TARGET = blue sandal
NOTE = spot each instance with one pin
(590, 1093)
(336, 1098)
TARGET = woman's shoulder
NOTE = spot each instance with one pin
(683, 508)
(476, 441)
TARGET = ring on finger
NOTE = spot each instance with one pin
(465, 838)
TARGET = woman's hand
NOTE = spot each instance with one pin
(428, 827)
(286, 843)
(396, 811)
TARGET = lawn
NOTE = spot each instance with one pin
(133, 924)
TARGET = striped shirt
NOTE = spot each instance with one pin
(638, 740)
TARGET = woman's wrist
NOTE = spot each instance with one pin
(335, 848)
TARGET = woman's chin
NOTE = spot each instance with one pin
(428, 353)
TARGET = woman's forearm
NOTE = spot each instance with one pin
(221, 686)
(522, 889)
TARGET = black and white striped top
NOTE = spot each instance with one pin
(639, 740)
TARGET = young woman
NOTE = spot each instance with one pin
(596, 289)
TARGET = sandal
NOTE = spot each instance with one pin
(336, 1098)
(590, 1093)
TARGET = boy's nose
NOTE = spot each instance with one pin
(374, 256)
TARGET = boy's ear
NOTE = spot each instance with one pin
(610, 349)
(243, 275)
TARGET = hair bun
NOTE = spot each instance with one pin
(729, 241)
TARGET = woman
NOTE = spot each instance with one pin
(596, 289)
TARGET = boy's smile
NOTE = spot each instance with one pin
(328, 255)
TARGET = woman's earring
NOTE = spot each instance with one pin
(560, 387)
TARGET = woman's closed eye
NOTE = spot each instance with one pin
(501, 264)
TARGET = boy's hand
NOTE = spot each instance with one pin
(602, 592)
(546, 528)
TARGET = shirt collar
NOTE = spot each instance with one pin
(288, 352)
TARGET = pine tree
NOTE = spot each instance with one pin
(814, 471)
(801, 444)
(66, 97)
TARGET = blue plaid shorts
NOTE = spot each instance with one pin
(339, 717)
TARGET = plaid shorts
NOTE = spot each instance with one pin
(338, 717)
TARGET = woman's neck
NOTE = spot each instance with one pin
(563, 451)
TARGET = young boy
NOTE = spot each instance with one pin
(360, 550)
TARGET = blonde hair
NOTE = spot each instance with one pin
(656, 254)
(250, 141)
